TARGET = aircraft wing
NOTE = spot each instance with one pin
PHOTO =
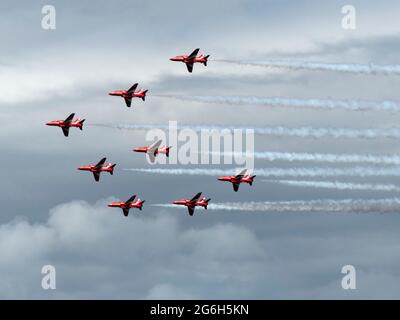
(69, 118)
(196, 197)
(131, 199)
(189, 66)
(191, 211)
(151, 151)
(156, 144)
(100, 163)
(151, 157)
(65, 131)
(96, 176)
(193, 54)
(241, 174)
(133, 88)
(236, 186)
(125, 211)
(128, 102)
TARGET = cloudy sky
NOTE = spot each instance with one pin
(53, 214)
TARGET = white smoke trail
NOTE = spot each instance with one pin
(338, 185)
(301, 132)
(284, 172)
(335, 206)
(320, 157)
(371, 69)
(330, 104)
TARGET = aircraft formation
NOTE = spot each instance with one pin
(151, 151)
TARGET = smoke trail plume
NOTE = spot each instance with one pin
(338, 185)
(371, 69)
(284, 172)
(321, 157)
(329, 104)
(301, 132)
(390, 205)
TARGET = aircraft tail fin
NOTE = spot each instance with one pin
(206, 58)
(167, 151)
(112, 168)
(144, 97)
(207, 200)
(141, 204)
(81, 123)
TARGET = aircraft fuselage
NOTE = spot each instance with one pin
(164, 150)
(186, 59)
(245, 179)
(188, 203)
(125, 94)
(123, 205)
(61, 123)
(93, 168)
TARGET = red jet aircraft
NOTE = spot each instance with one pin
(242, 177)
(96, 169)
(153, 150)
(192, 59)
(192, 203)
(127, 205)
(129, 94)
(67, 123)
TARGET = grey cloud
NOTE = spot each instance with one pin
(99, 253)
(81, 239)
